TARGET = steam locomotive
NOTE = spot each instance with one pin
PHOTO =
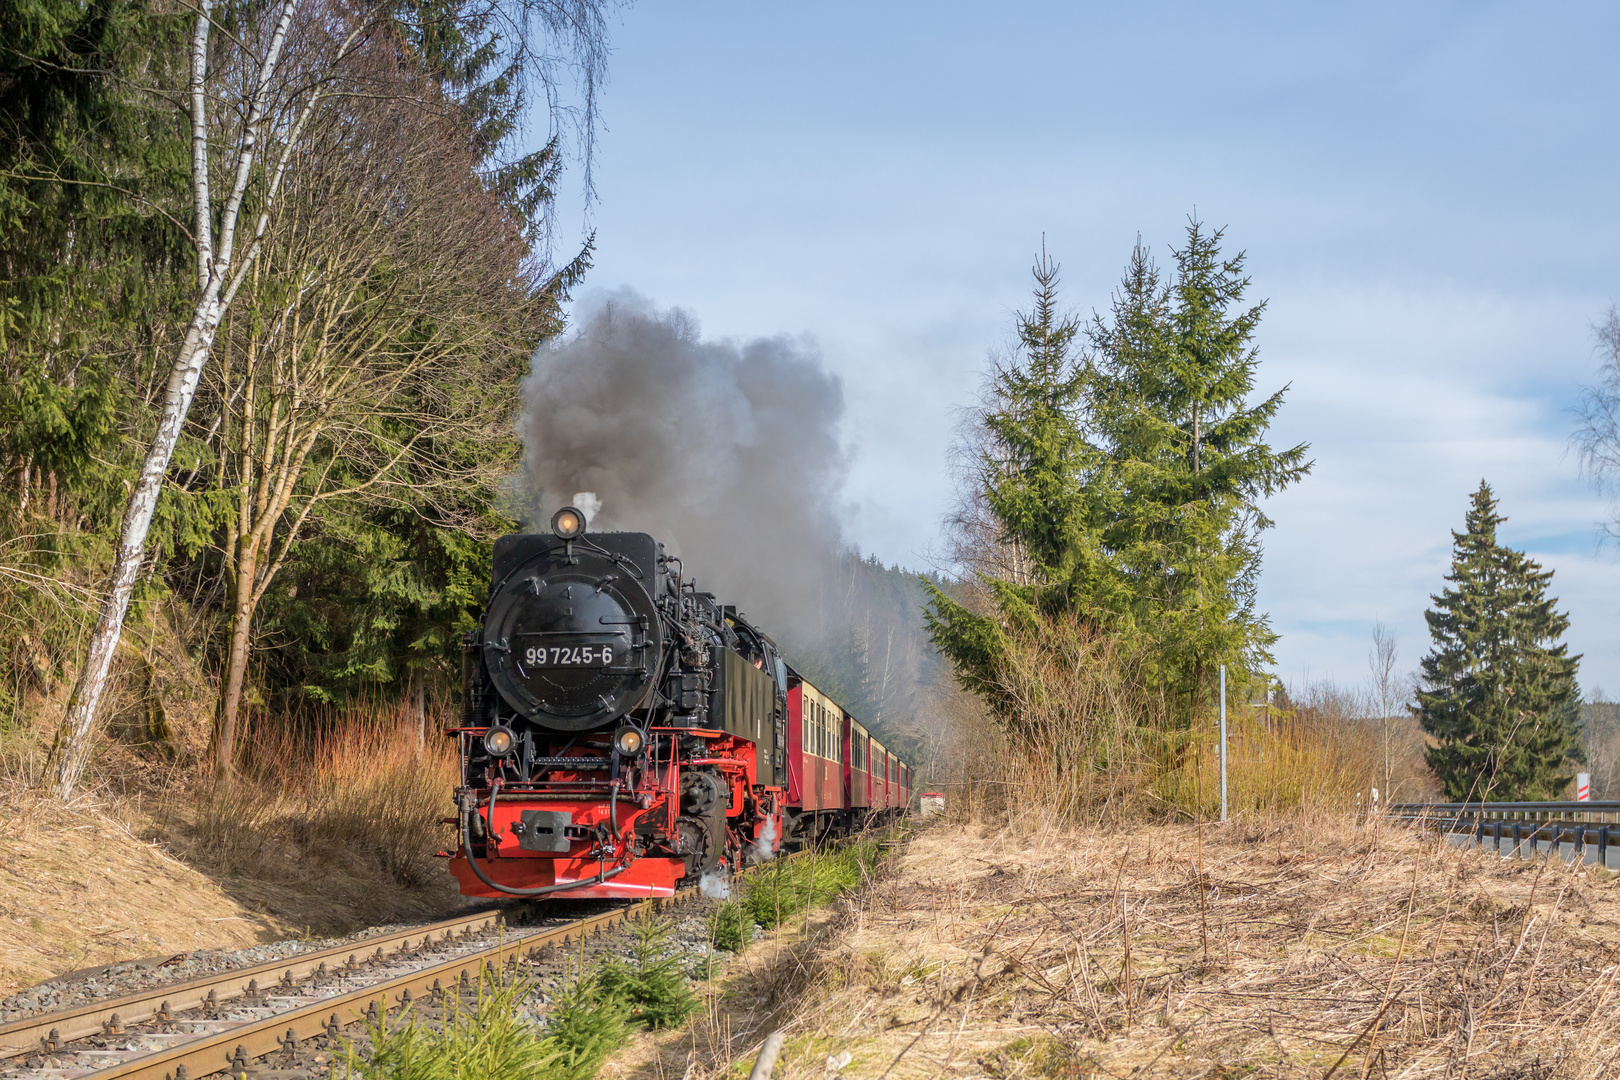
(625, 734)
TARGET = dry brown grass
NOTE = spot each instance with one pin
(336, 830)
(1311, 760)
(1078, 736)
(1304, 946)
(323, 835)
(78, 888)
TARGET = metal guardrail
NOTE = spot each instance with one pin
(1585, 831)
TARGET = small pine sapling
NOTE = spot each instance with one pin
(585, 1024)
(726, 927)
(651, 982)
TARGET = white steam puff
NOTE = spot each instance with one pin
(763, 849)
(715, 884)
(726, 452)
(586, 503)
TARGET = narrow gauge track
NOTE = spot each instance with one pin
(176, 1033)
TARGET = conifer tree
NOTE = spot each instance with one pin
(1499, 688)
(1129, 478)
(1028, 471)
(1174, 371)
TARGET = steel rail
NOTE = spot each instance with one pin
(284, 1031)
(245, 1041)
(26, 1035)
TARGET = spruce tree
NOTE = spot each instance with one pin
(1129, 476)
(1031, 468)
(1499, 689)
(1174, 370)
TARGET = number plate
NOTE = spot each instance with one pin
(571, 656)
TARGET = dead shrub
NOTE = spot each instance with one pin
(1079, 737)
(361, 793)
(1316, 755)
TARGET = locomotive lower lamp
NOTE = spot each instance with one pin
(498, 741)
(628, 741)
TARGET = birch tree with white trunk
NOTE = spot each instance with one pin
(256, 80)
(266, 103)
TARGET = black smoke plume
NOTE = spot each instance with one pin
(728, 453)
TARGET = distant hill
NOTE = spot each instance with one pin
(868, 648)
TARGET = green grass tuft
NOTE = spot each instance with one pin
(773, 894)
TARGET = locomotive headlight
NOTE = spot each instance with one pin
(628, 742)
(568, 523)
(498, 741)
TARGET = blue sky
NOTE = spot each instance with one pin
(1426, 194)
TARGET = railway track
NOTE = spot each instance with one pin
(226, 1022)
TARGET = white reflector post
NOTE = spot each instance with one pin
(1583, 787)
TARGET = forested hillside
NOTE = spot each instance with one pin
(301, 250)
(870, 650)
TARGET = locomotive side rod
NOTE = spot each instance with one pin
(26, 1035)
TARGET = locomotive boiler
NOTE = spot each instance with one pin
(623, 734)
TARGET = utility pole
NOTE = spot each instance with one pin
(1223, 742)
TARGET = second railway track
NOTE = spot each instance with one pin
(224, 1022)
